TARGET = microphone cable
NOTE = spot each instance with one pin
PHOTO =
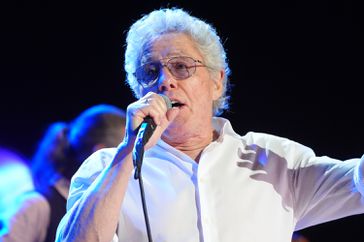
(145, 132)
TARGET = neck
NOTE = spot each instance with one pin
(192, 146)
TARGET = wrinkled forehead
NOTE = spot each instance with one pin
(167, 46)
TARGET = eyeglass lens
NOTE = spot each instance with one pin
(179, 67)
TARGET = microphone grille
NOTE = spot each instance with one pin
(167, 100)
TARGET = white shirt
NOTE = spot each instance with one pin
(252, 188)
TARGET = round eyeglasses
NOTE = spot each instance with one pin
(181, 67)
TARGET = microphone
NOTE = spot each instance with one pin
(145, 131)
(148, 126)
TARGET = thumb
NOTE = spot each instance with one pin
(172, 114)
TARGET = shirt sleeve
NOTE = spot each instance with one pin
(84, 177)
(87, 173)
(327, 189)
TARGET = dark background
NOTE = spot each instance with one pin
(296, 69)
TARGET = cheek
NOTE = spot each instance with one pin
(202, 94)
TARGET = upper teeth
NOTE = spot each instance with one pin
(175, 104)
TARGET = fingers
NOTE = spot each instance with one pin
(172, 114)
(152, 105)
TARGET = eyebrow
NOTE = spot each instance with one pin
(149, 57)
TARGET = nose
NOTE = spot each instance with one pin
(166, 80)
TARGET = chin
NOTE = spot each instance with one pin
(177, 127)
(178, 123)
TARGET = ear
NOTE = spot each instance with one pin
(218, 85)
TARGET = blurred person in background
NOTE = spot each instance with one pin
(59, 154)
(298, 237)
(16, 185)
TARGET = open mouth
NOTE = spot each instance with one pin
(177, 104)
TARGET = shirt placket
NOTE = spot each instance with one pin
(205, 195)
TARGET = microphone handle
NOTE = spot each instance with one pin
(146, 129)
